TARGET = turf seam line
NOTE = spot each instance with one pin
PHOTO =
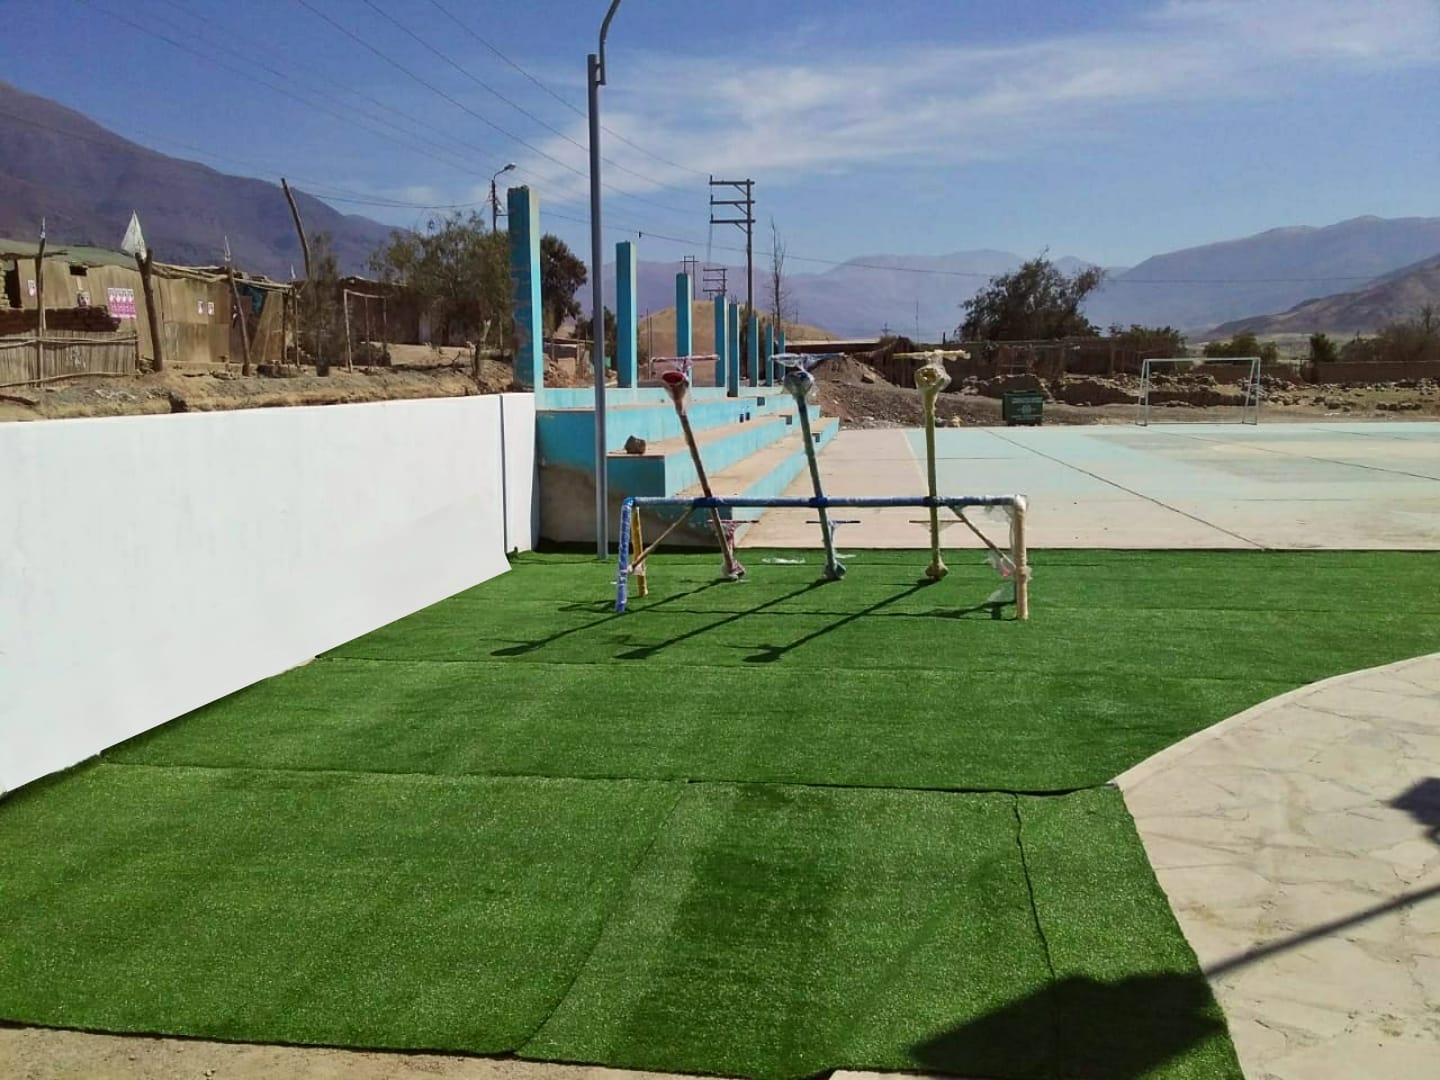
(681, 781)
(1039, 926)
(621, 894)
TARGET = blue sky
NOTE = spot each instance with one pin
(1110, 130)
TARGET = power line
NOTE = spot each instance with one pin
(466, 109)
(285, 92)
(563, 101)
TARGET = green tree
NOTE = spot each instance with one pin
(321, 319)
(1036, 302)
(1156, 340)
(1244, 343)
(458, 268)
(583, 332)
(1323, 350)
(561, 276)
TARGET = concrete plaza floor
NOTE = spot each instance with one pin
(1317, 485)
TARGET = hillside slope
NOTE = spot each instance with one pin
(85, 180)
(1198, 287)
(1389, 299)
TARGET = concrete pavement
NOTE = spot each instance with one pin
(1299, 844)
(1296, 486)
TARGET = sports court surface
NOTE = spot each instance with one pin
(758, 829)
(1341, 486)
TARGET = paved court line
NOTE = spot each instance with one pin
(1305, 457)
(1129, 491)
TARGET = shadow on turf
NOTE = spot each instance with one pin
(768, 654)
(645, 652)
(1090, 1028)
(531, 646)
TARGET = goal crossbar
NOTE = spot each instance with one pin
(1249, 408)
(1016, 504)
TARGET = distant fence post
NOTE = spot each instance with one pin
(152, 317)
(40, 308)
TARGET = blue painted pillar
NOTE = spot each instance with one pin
(732, 366)
(780, 340)
(529, 343)
(625, 325)
(769, 354)
(684, 339)
(752, 347)
(722, 347)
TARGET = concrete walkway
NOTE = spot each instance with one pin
(1321, 485)
(1299, 844)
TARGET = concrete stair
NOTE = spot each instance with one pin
(751, 445)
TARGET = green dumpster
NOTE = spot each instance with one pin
(1022, 406)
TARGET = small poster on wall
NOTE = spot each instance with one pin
(31, 284)
(210, 307)
(199, 307)
(121, 303)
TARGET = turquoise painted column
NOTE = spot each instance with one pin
(625, 344)
(722, 348)
(752, 347)
(684, 338)
(529, 343)
(769, 354)
(780, 340)
(732, 338)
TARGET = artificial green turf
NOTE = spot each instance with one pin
(869, 681)
(393, 846)
(407, 912)
(780, 932)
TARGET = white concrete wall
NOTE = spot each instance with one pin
(151, 564)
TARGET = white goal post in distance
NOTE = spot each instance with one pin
(1250, 406)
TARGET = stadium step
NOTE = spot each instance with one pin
(766, 473)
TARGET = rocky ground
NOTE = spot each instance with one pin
(848, 388)
(861, 397)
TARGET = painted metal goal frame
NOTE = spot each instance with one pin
(1249, 409)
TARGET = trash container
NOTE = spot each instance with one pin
(1022, 407)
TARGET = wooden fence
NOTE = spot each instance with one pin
(24, 361)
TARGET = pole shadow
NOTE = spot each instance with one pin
(645, 652)
(769, 654)
(525, 647)
(1083, 1027)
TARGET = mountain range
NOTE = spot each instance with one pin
(1390, 298)
(85, 180)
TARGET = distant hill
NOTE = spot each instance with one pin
(85, 180)
(1391, 298)
(1197, 288)
(859, 298)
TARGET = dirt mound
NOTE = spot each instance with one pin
(1091, 391)
(851, 370)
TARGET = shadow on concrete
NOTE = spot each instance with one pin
(768, 654)
(524, 647)
(1422, 802)
(1083, 1027)
(645, 652)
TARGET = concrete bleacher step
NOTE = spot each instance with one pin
(765, 473)
(666, 466)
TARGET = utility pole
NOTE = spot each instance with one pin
(495, 210)
(713, 282)
(747, 188)
(597, 306)
(690, 265)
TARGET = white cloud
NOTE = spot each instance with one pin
(952, 103)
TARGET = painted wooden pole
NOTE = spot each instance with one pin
(524, 211)
(752, 348)
(626, 353)
(722, 339)
(733, 364)
(769, 354)
(684, 336)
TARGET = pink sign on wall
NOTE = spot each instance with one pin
(121, 303)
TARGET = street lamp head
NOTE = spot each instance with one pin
(508, 167)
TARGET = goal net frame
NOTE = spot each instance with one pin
(632, 562)
(1249, 408)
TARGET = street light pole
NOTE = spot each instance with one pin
(495, 198)
(597, 294)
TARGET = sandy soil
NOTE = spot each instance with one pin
(44, 1054)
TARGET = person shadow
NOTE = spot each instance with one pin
(1086, 1028)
